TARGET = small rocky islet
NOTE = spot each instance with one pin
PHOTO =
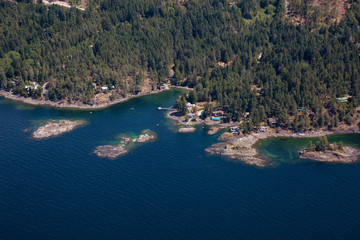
(346, 155)
(145, 136)
(109, 151)
(56, 127)
(126, 142)
(186, 129)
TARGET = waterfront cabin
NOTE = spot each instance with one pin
(32, 86)
(191, 115)
(218, 113)
(221, 64)
(259, 57)
(302, 109)
(190, 105)
(342, 99)
(263, 128)
(272, 121)
(164, 86)
(234, 129)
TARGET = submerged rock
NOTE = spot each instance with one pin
(54, 128)
(110, 151)
(348, 155)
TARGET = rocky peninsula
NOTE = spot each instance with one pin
(56, 127)
(241, 147)
(213, 130)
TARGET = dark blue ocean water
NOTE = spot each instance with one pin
(57, 188)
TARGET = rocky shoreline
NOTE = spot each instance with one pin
(241, 147)
(83, 106)
(54, 128)
(180, 120)
(347, 155)
(189, 127)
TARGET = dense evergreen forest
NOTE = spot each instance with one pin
(245, 55)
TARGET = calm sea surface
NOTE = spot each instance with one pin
(57, 188)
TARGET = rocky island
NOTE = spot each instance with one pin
(146, 136)
(109, 151)
(56, 127)
(348, 155)
(186, 129)
(322, 151)
(126, 143)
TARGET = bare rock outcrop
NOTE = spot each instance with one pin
(54, 128)
(110, 151)
(347, 155)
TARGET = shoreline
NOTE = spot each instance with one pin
(243, 148)
(179, 121)
(77, 106)
(239, 147)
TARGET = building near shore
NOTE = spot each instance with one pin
(32, 86)
(272, 121)
(343, 99)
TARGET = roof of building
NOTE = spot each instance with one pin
(222, 64)
(272, 120)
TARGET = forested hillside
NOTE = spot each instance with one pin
(243, 54)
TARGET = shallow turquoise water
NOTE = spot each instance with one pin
(284, 150)
(57, 188)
